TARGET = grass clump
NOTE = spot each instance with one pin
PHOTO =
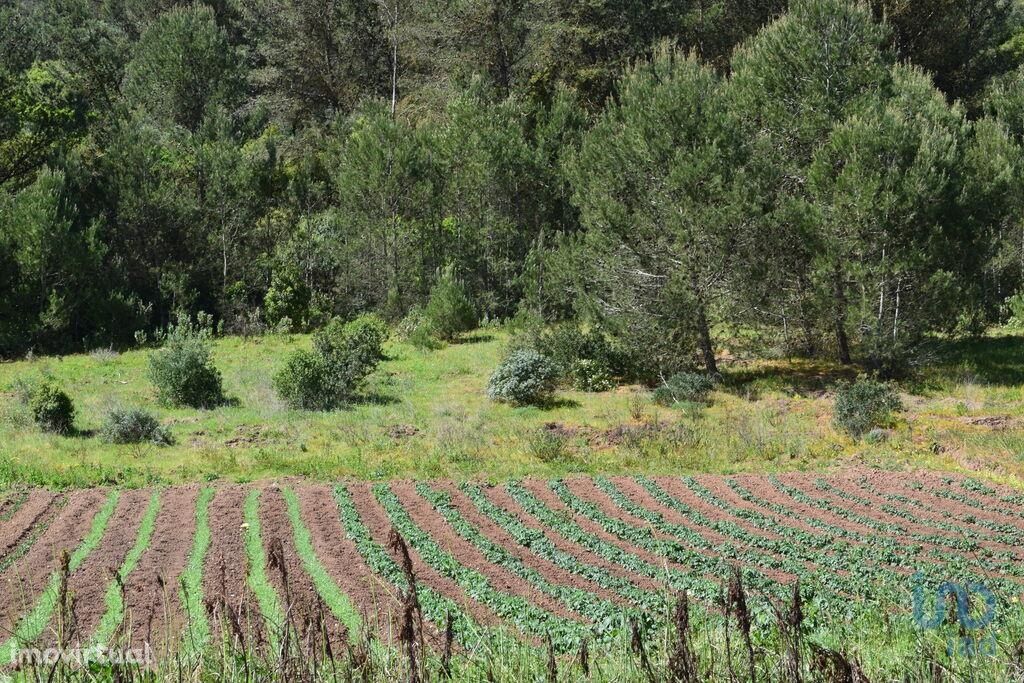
(132, 426)
(259, 582)
(524, 378)
(684, 387)
(52, 409)
(183, 371)
(547, 445)
(865, 404)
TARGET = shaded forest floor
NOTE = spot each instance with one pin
(425, 415)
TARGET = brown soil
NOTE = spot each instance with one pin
(39, 506)
(299, 599)
(806, 483)
(226, 595)
(88, 584)
(550, 571)
(469, 556)
(646, 500)
(944, 505)
(376, 599)
(500, 497)
(544, 494)
(379, 525)
(153, 605)
(24, 581)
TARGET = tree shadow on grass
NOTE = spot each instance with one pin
(997, 361)
(802, 378)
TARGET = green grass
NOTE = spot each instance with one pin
(198, 629)
(32, 624)
(425, 415)
(114, 599)
(266, 595)
(335, 598)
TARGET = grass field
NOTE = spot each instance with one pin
(425, 415)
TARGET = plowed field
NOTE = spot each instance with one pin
(572, 558)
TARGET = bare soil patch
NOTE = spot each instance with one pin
(25, 580)
(153, 602)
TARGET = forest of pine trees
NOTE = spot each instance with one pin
(820, 177)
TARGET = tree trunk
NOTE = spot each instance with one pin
(842, 341)
(707, 347)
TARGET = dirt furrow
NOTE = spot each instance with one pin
(544, 494)
(25, 580)
(298, 595)
(374, 597)
(920, 518)
(806, 484)
(640, 496)
(376, 520)
(431, 521)
(226, 595)
(500, 497)
(493, 531)
(39, 504)
(153, 607)
(88, 584)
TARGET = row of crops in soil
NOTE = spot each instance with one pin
(556, 562)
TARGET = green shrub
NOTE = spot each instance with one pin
(343, 355)
(449, 309)
(524, 378)
(183, 370)
(590, 375)
(306, 383)
(287, 302)
(865, 404)
(684, 387)
(568, 343)
(417, 329)
(52, 409)
(352, 349)
(134, 425)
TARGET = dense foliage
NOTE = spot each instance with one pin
(826, 176)
(864, 405)
(51, 408)
(343, 355)
(183, 371)
(524, 378)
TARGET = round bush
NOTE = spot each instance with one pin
(590, 375)
(524, 378)
(305, 382)
(52, 409)
(864, 405)
(684, 387)
(133, 425)
(183, 371)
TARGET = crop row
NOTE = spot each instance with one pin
(569, 561)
